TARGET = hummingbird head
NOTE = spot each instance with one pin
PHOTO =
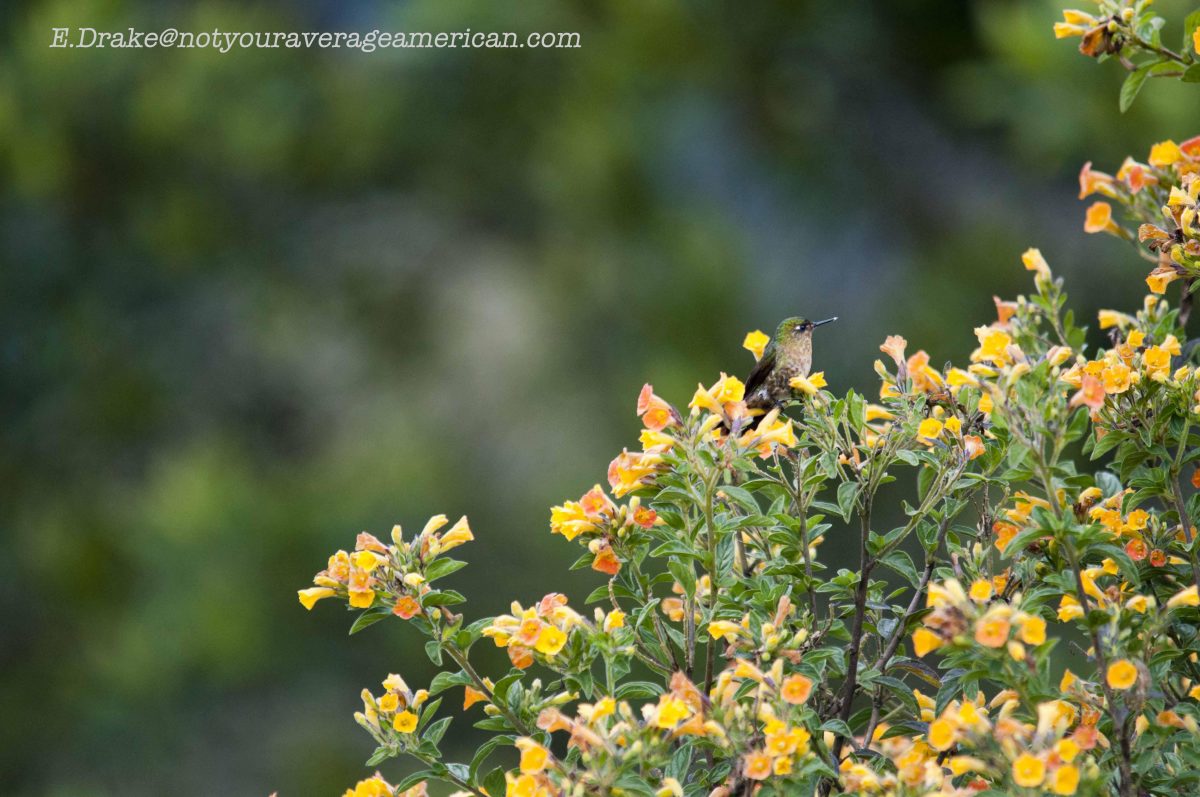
(796, 327)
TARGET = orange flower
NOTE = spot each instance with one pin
(757, 765)
(606, 561)
(1004, 534)
(655, 413)
(1090, 395)
(520, 656)
(894, 347)
(796, 689)
(992, 629)
(471, 697)
(1093, 182)
(406, 606)
(1099, 218)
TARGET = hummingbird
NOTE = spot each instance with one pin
(788, 355)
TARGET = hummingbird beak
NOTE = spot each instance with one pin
(826, 321)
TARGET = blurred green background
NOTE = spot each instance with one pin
(255, 303)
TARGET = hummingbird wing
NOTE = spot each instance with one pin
(763, 367)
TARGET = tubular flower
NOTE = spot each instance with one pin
(1028, 771)
(1099, 219)
(631, 470)
(808, 385)
(1121, 674)
(756, 342)
(655, 413)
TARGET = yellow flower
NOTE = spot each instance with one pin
(309, 597)
(1065, 779)
(961, 764)
(1111, 318)
(459, 533)
(550, 640)
(533, 756)
(1069, 609)
(1121, 674)
(1185, 597)
(670, 711)
(981, 590)
(1117, 378)
(1164, 153)
(1028, 771)
(389, 702)
(985, 403)
(727, 389)
(522, 786)
(941, 734)
(1162, 276)
(993, 346)
(809, 385)
(930, 428)
(924, 641)
(1033, 260)
(724, 628)
(670, 788)
(1063, 30)
(613, 620)
(405, 722)
(362, 598)
(570, 520)
(755, 342)
(1066, 749)
(1033, 630)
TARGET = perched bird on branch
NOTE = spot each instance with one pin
(788, 355)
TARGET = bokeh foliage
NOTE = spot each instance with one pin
(253, 302)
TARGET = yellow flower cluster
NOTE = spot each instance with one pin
(944, 424)
(1174, 170)
(398, 708)
(543, 629)
(603, 522)
(376, 786)
(389, 572)
(991, 623)
(606, 731)
(1121, 368)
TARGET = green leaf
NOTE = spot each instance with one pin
(1190, 23)
(1132, 85)
(440, 568)
(494, 783)
(444, 680)
(436, 730)
(839, 727)
(446, 597)
(846, 493)
(1192, 74)
(369, 617)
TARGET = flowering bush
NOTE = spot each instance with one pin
(1130, 31)
(1049, 506)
